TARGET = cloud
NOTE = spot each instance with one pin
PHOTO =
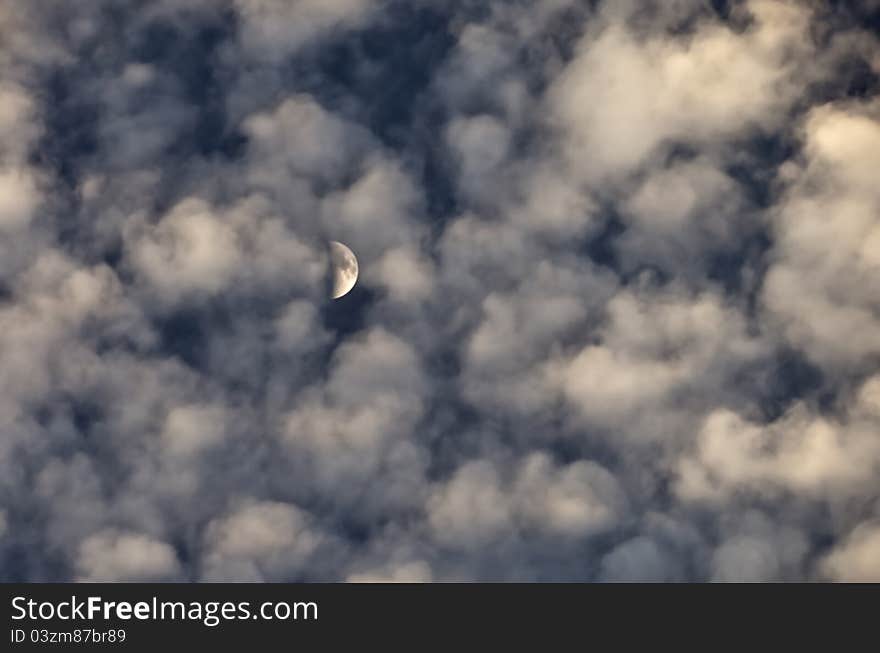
(274, 29)
(189, 250)
(352, 432)
(616, 316)
(476, 507)
(800, 452)
(412, 572)
(20, 198)
(197, 251)
(406, 273)
(819, 294)
(300, 137)
(259, 541)
(642, 375)
(855, 559)
(624, 96)
(683, 215)
(112, 556)
(639, 560)
(191, 429)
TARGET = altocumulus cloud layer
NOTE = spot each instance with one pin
(618, 315)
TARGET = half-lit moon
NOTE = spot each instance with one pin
(344, 269)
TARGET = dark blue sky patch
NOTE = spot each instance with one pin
(184, 334)
(348, 314)
(787, 378)
(376, 75)
(191, 56)
(70, 120)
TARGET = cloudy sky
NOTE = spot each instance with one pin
(618, 315)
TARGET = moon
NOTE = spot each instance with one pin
(343, 269)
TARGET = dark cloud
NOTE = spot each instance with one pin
(616, 316)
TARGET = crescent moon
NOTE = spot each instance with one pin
(344, 269)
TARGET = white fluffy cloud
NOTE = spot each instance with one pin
(616, 319)
(352, 434)
(478, 507)
(659, 360)
(856, 558)
(259, 541)
(126, 557)
(197, 251)
(410, 572)
(801, 452)
(625, 94)
(821, 288)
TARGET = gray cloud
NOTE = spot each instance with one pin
(616, 316)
